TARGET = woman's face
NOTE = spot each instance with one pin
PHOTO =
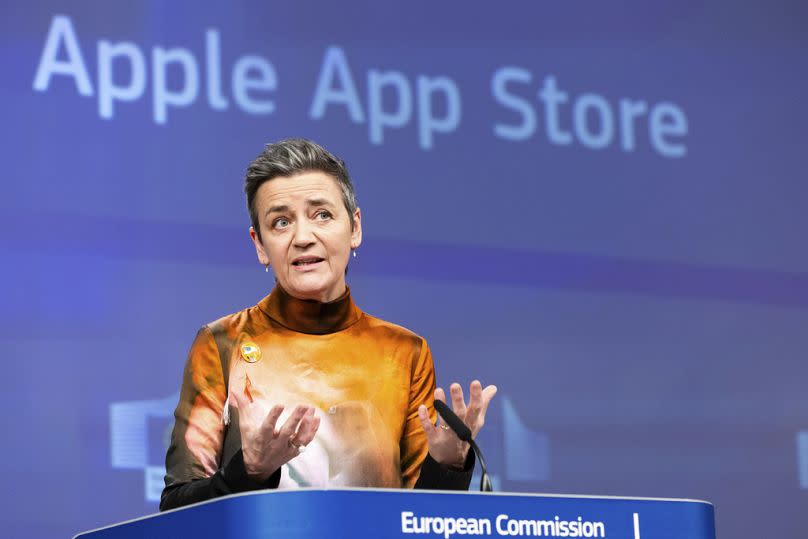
(306, 235)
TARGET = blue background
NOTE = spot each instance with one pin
(644, 316)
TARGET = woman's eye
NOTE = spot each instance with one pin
(280, 222)
(323, 215)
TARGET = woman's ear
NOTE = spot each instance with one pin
(356, 233)
(259, 249)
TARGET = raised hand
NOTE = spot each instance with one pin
(266, 447)
(444, 445)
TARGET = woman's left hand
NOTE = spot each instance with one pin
(444, 445)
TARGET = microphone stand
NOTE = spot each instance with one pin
(485, 481)
(464, 433)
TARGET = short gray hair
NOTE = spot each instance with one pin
(293, 156)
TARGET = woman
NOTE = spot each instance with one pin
(305, 389)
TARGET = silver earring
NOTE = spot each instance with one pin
(354, 253)
(266, 268)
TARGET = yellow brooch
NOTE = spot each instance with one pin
(250, 352)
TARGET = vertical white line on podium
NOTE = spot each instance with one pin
(636, 526)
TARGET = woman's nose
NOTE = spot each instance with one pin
(304, 235)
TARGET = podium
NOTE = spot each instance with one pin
(382, 513)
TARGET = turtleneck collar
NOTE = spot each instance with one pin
(309, 315)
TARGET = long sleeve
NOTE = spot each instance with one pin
(418, 469)
(193, 461)
(231, 479)
(366, 377)
(436, 477)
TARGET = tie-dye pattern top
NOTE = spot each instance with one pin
(364, 376)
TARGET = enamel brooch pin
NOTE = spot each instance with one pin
(250, 352)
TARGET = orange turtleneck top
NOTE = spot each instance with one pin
(364, 376)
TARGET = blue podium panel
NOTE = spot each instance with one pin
(375, 513)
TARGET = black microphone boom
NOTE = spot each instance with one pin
(454, 422)
(464, 433)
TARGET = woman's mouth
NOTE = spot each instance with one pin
(306, 261)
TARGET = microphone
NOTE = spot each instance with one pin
(464, 433)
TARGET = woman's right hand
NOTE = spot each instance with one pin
(265, 446)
